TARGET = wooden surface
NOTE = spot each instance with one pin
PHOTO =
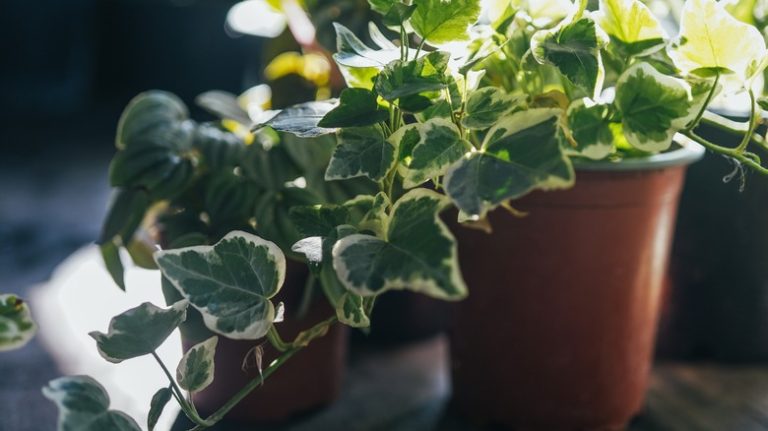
(408, 389)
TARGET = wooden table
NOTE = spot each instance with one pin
(408, 389)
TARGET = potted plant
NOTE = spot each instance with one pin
(422, 122)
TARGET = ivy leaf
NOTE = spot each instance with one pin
(302, 119)
(382, 6)
(357, 107)
(590, 129)
(441, 21)
(632, 25)
(440, 109)
(368, 266)
(195, 370)
(439, 145)
(16, 324)
(352, 52)
(713, 41)
(400, 79)
(398, 14)
(157, 405)
(521, 153)
(486, 106)
(229, 283)
(153, 138)
(653, 106)
(361, 151)
(126, 211)
(110, 254)
(84, 406)
(574, 49)
(138, 331)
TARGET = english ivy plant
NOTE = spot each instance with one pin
(456, 108)
(16, 324)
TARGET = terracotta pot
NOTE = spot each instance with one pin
(558, 330)
(309, 380)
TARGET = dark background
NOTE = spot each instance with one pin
(67, 68)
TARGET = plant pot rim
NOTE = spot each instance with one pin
(688, 152)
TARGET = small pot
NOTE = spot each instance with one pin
(558, 330)
(309, 380)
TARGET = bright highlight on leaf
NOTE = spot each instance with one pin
(438, 146)
(361, 151)
(229, 283)
(713, 41)
(443, 21)
(632, 24)
(139, 331)
(84, 406)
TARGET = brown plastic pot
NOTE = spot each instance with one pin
(309, 380)
(558, 330)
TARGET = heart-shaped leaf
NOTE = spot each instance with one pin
(590, 129)
(139, 331)
(486, 105)
(361, 152)
(368, 265)
(16, 324)
(653, 106)
(230, 283)
(400, 79)
(84, 406)
(195, 370)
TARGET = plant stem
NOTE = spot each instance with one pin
(247, 389)
(276, 341)
(306, 297)
(746, 158)
(711, 94)
(187, 407)
(747, 136)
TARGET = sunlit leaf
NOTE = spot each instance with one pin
(443, 21)
(632, 24)
(590, 128)
(438, 146)
(361, 151)
(302, 119)
(357, 107)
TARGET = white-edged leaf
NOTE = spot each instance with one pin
(419, 252)
(16, 324)
(361, 151)
(486, 105)
(352, 52)
(439, 145)
(302, 119)
(521, 153)
(195, 370)
(84, 406)
(311, 247)
(653, 106)
(230, 283)
(139, 331)
(590, 129)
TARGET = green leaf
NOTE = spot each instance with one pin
(400, 79)
(574, 49)
(439, 145)
(126, 211)
(443, 21)
(157, 405)
(84, 406)
(138, 331)
(361, 151)
(352, 52)
(590, 129)
(632, 24)
(398, 14)
(302, 119)
(440, 109)
(486, 106)
(229, 283)
(357, 107)
(368, 266)
(521, 153)
(382, 6)
(146, 114)
(110, 254)
(16, 324)
(712, 40)
(224, 105)
(653, 106)
(195, 370)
